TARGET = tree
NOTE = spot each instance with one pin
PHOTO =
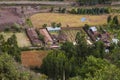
(109, 72)
(81, 48)
(52, 9)
(41, 37)
(12, 40)
(98, 49)
(115, 55)
(16, 27)
(1, 39)
(53, 24)
(59, 10)
(44, 25)
(73, 11)
(115, 20)
(59, 25)
(93, 11)
(63, 10)
(93, 2)
(12, 48)
(56, 65)
(8, 70)
(87, 26)
(109, 19)
(98, 69)
(92, 65)
(69, 49)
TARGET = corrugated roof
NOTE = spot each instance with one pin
(115, 40)
(93, 28)
(47, 36)
(53, 29)
(33, 36)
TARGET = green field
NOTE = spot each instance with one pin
(22, 38)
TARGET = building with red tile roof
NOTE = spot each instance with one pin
(33, 36)
(47, 37)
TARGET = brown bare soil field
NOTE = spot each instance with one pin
(33, 58)
(7, 17)
(67, 19)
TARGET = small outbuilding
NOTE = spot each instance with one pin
(115, 40)
(51, 29)
(94, 31)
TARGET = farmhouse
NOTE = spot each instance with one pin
(95, 35)
(33, 36)
(47, 36)
(92, 32)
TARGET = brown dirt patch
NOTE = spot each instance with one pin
(8, 18)
(33, 58)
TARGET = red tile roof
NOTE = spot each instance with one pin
(46, 35)
(32, 34)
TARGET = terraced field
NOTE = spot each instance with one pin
(71, 34)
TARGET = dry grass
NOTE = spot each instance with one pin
(71, 34)
(33, 58)
(22, 39)
(67, 19)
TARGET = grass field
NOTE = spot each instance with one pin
(22, 39)
(67, 19)
(33, 58)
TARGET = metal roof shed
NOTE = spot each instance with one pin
(53, 29)
(93, 29)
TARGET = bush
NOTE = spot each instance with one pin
(41, 37)
(28, 22)
(24, 49)
(7, 29)
(87, 26)
(44, 25)
(16, 27)
(52, 9)
(63, 10)
(53, 24)
(59, 25)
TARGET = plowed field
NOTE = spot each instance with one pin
(33, 58)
